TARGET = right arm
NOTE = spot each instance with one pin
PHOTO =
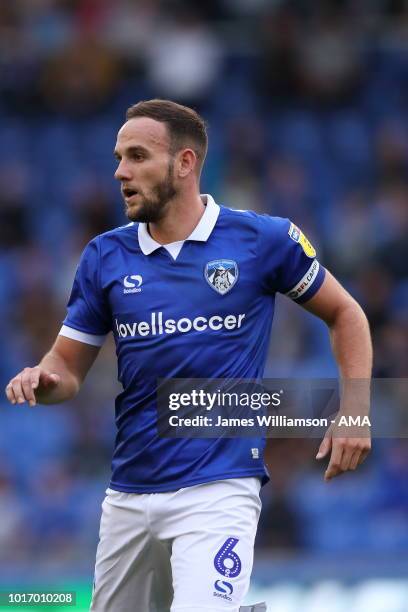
(58, 376)
(62, 370)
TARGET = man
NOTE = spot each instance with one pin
(187, 288)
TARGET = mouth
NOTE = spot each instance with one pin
(128, 193)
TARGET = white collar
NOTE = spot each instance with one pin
(201, 232)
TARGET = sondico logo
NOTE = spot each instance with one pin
(158, 325)
(132, 287)
(223, 586)
(224, 589)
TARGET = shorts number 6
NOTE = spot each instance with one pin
(227, 562)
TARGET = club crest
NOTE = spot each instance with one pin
(221, 274)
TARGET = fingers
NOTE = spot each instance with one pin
(15, 390)
(347, 454)
(364, 452)
(346, 458)
(10, 393)
(324, 447)
(361, 448)
(355, 460)
(334, 467)
(29, 381)
(20, 387)
(23, 387)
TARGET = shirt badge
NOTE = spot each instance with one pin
(221, 274)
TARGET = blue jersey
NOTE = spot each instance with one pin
(201, 308)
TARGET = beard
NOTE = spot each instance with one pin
(152, 209)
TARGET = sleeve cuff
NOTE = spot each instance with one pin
(74, 334)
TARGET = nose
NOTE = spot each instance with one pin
(122, 172)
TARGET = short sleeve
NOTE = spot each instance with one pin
(88, 318)
(289, 260)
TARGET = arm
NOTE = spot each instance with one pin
(57, 377)
(351, 344)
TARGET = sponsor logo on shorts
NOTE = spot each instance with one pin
(223, 589)
(223, 586)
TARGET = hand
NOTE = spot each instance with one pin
(347, 453)
(30, 384)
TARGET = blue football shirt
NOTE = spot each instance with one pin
(199, 308)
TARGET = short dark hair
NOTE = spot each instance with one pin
(185, 126)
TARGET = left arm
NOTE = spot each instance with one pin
(352, 349)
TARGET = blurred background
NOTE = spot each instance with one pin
(307, 110)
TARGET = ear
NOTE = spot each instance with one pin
(186, 163)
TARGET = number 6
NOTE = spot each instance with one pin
(226, 553)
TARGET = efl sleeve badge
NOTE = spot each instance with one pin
(298, 236)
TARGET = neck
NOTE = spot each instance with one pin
(183, 216)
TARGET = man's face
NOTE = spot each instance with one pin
(145, 169)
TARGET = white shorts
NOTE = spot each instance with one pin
(189, 550)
